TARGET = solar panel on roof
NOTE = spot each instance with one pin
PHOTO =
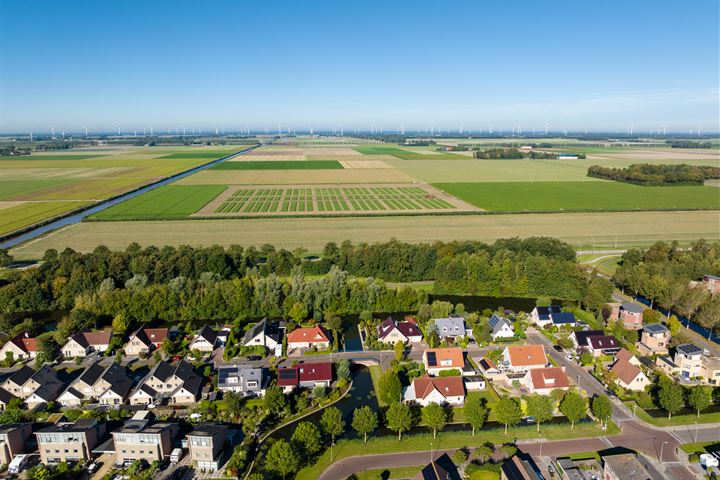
(690, 349)
(432, 359)
(286, 373)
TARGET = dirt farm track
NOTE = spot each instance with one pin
(603, 229)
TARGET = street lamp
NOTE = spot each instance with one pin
(661, 451)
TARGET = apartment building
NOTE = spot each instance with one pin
(138, 439)
(69, 442)
(207, 446)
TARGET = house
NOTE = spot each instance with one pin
(603, 345)
(542, 381)
(500, 327)
(552, 315)
(437, 360)
(628, 373)
(207, 447)
(580, 339)
(691, 363)
(13, 439)
(205, 340)
(34, 387)
(441, 468)
(474, 382)
(243, 379)
(22, 347)
(521, 358)
(625, 466)
(108, 385)
(427, 390)
(69, 442)
(145, 340)
(521, 467)
(452, 327)
(83, 343)
(305, 375)
(264, 333)
(654, 340)
(488, 368)
(306, 337)
(631, 314)
(138, 439)
(710, 282)
(5, 398)
(392, 332)
(177, 383)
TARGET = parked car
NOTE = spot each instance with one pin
(93, 467)
(569, 357)
(254, 358)
(18, 464)
(558, 348)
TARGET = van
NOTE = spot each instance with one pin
(18, 464)
(176, 455)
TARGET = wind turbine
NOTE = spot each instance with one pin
(52, 129)
(86, 132)
(31, 137)
(118, 129)
(151, 131)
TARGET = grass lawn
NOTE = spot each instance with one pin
(584, 456)
(389, 473)
(700, 447)
(375, 373)
(169, 201)
(448, 440)
(280, 165)
(663, 421)
(580, 196)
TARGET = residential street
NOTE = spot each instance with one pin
(347, 466)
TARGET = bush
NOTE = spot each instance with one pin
(449, 373)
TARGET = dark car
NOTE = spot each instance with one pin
(254, 358)
(558, 348)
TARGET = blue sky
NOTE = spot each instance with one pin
(569, 65)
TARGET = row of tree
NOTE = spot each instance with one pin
(663, 272)
(647, 174)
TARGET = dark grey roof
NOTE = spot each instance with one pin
(603, 342)
(452, 326)
(164, 370)
(92, 373)
(632, 307)
(208, 334)
(209, 430)
(74, 393)
(689, 349)
(655, 328)
(192, 384)
(254, 331)
(238, 376)
(6, 396)
(496, 323)
(19, 377)
(80, 425)
(49, 391)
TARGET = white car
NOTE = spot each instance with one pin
(569, 357)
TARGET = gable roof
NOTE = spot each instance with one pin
(603, 342)
(452, 325)
(25, 342)
(623, 355)
(19, 377)
(287, 377)
(563, 318)
(386, 327)
(526, 355)
(455, 354)
(446, 386)
(164, 370)
(625, 371)
(497, 322)
(309, 372)
(150, 335)
(92, 374)
(208, 334)
(409, 329)
(544, 313)
(5, 396)
(254, 331)
(308, 335)
(553, 377)
(582, 337)
(442, 468)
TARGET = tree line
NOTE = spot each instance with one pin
(688, 144)
(663, 272)
(657, 175)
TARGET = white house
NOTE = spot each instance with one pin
(437, 360)
(204, 340)
(500, 327)
(427, 390)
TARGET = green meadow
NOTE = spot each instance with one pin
(280, 165)
(580, 196)
(166, 202)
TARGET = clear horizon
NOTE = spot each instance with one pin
(610, 67)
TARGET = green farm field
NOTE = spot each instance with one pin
(582, 230)
(403, 154)
(166, 202)
(28, 213)
(41, 156)
(580, 196)
(280, 165)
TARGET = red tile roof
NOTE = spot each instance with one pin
(97, 338)
(526, 355)
(625, 371)
(308, 335)
(447, 386)
(454, 354)
(314, 372)
(553, 377)
(25, 342)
